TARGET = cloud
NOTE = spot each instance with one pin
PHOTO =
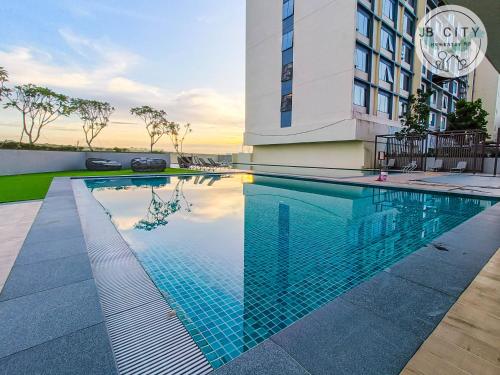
(99, 69)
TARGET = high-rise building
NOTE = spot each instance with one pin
(324, 77)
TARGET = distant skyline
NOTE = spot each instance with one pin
(186, 57)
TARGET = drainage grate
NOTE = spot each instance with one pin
(146, 335)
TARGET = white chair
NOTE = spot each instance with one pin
(461, 166)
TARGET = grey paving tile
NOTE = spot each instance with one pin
(34, 319)
(44, 232)
(51, 249)
(439, 275)
(266, 359)
(83, 352)
(32, 278)
(408, 305)
(342, 338)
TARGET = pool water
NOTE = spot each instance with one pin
(240, 257)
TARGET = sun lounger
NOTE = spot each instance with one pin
(461, 166)
(438, 165)
(410, 167)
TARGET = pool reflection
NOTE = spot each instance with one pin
(241, 257)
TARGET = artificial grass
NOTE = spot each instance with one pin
(32, 186)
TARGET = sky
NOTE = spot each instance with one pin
(183, 56)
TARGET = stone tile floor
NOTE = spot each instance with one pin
(467, 341)
(15, 222)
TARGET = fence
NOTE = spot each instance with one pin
(451, 147)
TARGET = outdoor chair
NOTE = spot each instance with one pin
(389, 164)
(204, 164)
(410, 167)
(461, 166)
(96, 164)
(183, 163)
(438, 165)
(148, 165)
(214, 163)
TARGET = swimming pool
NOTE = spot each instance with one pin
(240, 257)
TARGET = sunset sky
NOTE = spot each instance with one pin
(186, 57)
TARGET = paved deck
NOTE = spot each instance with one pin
(437, 181)
(16, 220)
(467, 341)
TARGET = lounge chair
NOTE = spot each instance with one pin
(438, 165)
(461, 166)
(410, 167)
(214, 163)
(183, 163)
(204, 164)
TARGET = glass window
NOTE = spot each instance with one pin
(406, 54)
(286, 87)
(387, 40)
(363, 23)
(454, 87)
(287, 41)
(288, 25)
(445, 102)
(432, 120)
(424, 70)
(288, 8)
(383, 102)
(286, 103)
(385, 72)
(286, 119)
(446, 86)
(444, 121)
(287, 56)
(388, 9)
(287, 72)
(360, 94)
(411, 3)
(361, 59)
(403, 108)
(453, 105)
(433, 98)
(408, 24)
(405, 81)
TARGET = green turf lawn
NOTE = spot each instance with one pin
(23, 187)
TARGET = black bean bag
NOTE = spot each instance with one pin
(96, 164)
(148, 165)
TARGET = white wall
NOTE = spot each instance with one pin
(323, 71)
(28, 161)
(487, 88)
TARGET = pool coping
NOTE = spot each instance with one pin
(319, 339)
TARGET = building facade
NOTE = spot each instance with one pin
(324, 77)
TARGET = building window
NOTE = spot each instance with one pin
(444, 121)
(405, 81)
(363, 23)
(286, 119)
(432, 120)
(387, 39)
(383, 102)
(453, 105)
(423, 87)
(388, 9)
(287, 72)
(286, 103)
(385, 72)
(408, 24)
(446, 86)
(287, 8)
(360, 91)
(287, 41)
(362, 59)
(403, 108)
(411, 3)
(454, 88)
(406, 54)
(287, 56)
(433, 98)
(424, 71)
(286, 87)
(445, 102)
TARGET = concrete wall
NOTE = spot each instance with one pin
(27, 161)
(349, 154)
(323, 71)
(487, 88)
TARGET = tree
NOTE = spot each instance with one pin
(468, 115)
(155, 120)
(95, 116)
(39, 106)
(177, 135)
(416, 119)
(4, 77)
